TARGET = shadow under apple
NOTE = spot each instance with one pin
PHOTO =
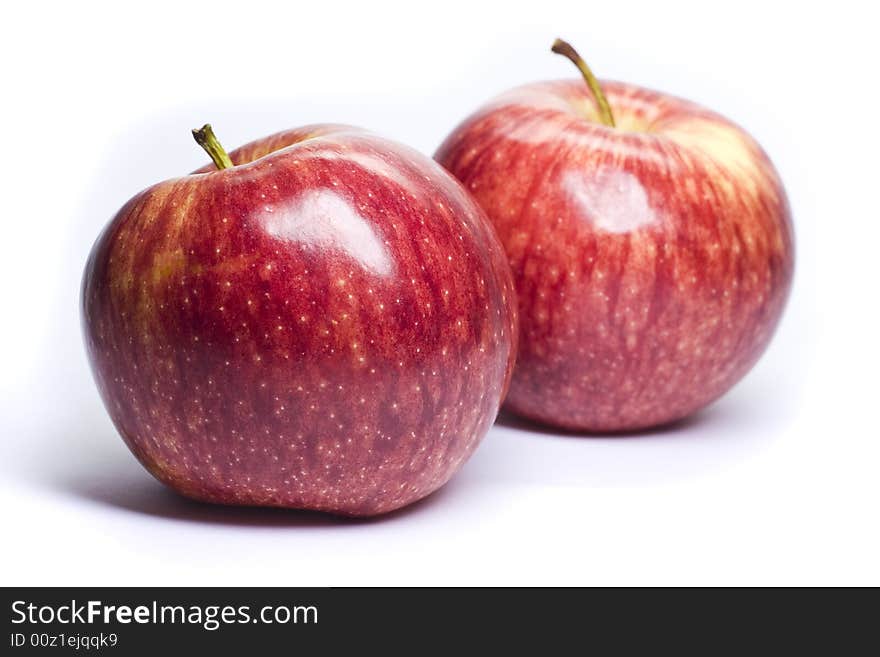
(104, 473)
(88, 461)
(735, 429)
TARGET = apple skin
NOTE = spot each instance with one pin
(329, 326)
(652, 261)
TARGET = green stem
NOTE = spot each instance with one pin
(205, 138)
(561, 47)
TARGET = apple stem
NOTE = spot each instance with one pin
(564, 48)
(205, 138)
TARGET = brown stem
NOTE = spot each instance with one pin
(205, 138)
(564, 48)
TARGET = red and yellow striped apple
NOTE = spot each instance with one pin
(323, 320)
(650, 240)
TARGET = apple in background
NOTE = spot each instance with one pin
(650, 240)
(323, 320)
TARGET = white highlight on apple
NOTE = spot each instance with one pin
(323, 218)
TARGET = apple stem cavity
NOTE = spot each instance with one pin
(205, 138)
(564, 48)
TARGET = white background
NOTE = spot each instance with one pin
(777, 483)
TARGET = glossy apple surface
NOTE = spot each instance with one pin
(652, 260)
(326, 325)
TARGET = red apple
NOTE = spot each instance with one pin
(652, 258)
(325, 322)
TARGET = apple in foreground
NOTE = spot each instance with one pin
(324, 320)
(650, 240)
